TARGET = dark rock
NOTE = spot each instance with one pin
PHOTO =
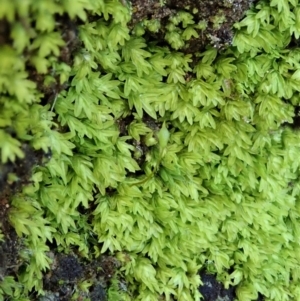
(98, 293)
(69, 269)
(212, 290)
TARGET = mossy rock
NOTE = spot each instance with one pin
(189, 25)
(128, 151)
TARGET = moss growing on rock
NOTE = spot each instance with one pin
(170, 162)
(189, 25)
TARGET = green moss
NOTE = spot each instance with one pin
(218, 20)
(217, 178)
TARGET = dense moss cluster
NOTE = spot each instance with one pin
(169, 163)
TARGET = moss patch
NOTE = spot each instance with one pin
(166, 159)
